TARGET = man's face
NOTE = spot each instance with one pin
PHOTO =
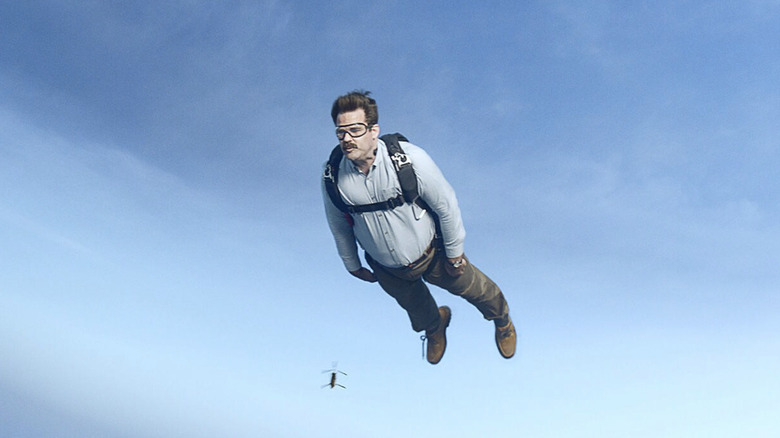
(361, 146)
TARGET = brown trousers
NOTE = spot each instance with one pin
(407, 287)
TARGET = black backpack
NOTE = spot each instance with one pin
(406, 177)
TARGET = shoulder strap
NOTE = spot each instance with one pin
(406, 176)
(331, 176)
(403, 166)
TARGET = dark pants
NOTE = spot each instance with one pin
(407, 287)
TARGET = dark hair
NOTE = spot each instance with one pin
(353, 101)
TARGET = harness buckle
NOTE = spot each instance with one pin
(400, 160)
(329, 173)
(396, 202)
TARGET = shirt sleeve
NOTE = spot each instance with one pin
(437, 192)
(344, 236)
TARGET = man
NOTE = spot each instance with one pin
(401, 244)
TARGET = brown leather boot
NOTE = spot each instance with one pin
(506, 339)
(437, 340)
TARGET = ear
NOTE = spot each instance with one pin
(375, 131)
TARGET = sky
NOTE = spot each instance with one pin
(166, 269)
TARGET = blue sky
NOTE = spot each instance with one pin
(166, 269)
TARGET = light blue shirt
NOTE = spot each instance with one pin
(396, 237)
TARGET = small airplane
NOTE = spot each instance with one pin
(333, 372)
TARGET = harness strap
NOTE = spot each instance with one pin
(331, 177)
(403, 166)
(384, 205)
(406, 177)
